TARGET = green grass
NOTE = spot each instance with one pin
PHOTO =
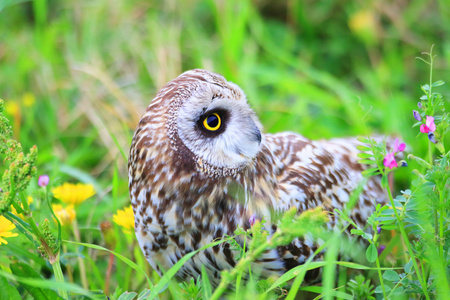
(306, 66)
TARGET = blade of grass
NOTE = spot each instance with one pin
(121, 257)
(49, 284)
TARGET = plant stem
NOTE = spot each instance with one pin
(83, 276)
(408, 244)
(69, 270)
(441, 224)
(381, 277)
(108, 273)
(59, 277)
(430, 153)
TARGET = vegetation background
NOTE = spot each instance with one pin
(77, 75)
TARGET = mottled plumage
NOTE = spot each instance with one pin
(190, 185)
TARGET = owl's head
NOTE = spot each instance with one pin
(210, 119)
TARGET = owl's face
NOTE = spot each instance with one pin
(216, 124)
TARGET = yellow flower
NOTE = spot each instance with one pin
(65, 215)
(73, 193)
(28, 99)
(5, 229)
(14, 211)
(12, 108)
(364, 24)
(125, 218)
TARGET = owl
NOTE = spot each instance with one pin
(200, 166)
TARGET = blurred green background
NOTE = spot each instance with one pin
(77, 75)
(92, 67)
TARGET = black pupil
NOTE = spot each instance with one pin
(212, 121)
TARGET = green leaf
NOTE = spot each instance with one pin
(379, 290)
(363, 139)
(9, 292)
(207, 289)
(438, 83)
(372, 253)
(391, 275)
(408, 266)
(144, 294)
(369, 172)
(397, 291)
(23, 270)
(363, 148)
(367, 236)
(425, 87)
(357, 231)
(127, 296)
(364, 155)
(366, 161)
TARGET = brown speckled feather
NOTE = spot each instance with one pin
(190, 186)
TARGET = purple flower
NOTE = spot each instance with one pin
(432, 138)
(389, 161)
(404, 163)
(381, 249)
(252, 219)
(378, 229)
(417, 115)
(43, 180)
(399, 147)
(419, 105)
(429, 125)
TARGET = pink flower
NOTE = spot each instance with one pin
(399, 147)
(429, 125)
(43, 180)
(389, 161)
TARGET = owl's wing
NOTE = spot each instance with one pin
(325, 173)
(313, 173)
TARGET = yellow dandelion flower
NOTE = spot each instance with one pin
(28, 99)
(5, 229)
(65, 215)
(125, 218)
(12, 108)
(73, 193)
(14, 211)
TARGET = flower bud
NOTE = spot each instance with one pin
(381, 249)
(419, 105)
(252, 220)
(432, 138)
(417, 115)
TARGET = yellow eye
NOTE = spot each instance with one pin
(212, 122)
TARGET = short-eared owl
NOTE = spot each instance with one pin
(197, 144)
